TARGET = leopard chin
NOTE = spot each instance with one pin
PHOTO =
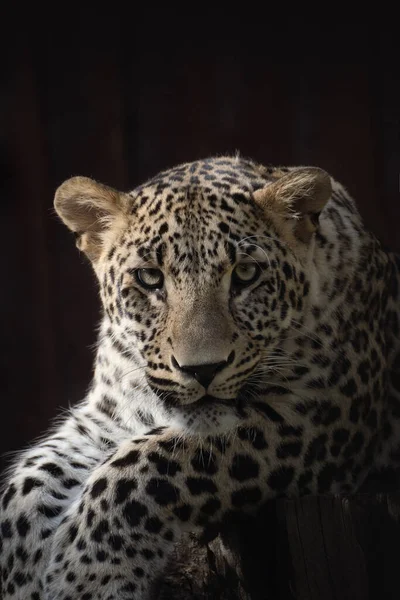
(206, 417)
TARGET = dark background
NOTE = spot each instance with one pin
(119, 101)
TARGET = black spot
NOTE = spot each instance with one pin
(57, 495)
(153, 525)
(22, 554)
(111, 252)
(289, 430)
(204, 462)
(243, 467)
(210, 507)
(123, 489)
(317, 383)
(81, 544)
(128, 460)
(335, 450)
(254, 436)
(340, 436)
(287, 269)
(305, 479)
(326, 413)
(163, 229)
(90, 517)
(130, 552)
(372, 419)
(133, 512)
(29, 484)
(101, 556)
(164, 466)
(45, 534)
(100, 531)
(268, 411)
(282, 291)
(129, 588)
(285, 450)
(98, 487)
(172, 444)
(147, 553)
(246, 495)
(300, 370)
(280, 478)
(183, 512)
(350, 388)
(301, 408)
(49, 511)
(72, 532)
(160, 254)
(115, 542)
(223, 227)
(239, 198)
(200, 485)
(163, 492)
(70, 483)
(354, 412)
(52, 469)
(156, 431)
(363, 370)
(355, 445)
(316, 450)
(8, 495)
(19, 579)
(139, 572)
(326, 477)
(85, 559)
(169, 535)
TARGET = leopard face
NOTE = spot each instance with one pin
(200, 284)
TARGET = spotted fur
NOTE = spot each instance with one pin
(211, 393)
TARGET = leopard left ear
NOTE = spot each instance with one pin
(300, 195)
(89, 209)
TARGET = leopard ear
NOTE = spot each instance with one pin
(89, 209)
(300, 195)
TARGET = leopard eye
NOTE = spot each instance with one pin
(151, 279)
(245, 274)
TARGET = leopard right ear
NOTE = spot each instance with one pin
(89, 209)
(298, 197)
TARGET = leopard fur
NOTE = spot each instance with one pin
(248, 350)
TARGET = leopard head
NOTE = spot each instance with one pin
(201, 271)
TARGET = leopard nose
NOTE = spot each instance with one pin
(204, 373)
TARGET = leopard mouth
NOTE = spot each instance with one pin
(238, 404)
(207, 401)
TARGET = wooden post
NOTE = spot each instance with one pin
(313, 548)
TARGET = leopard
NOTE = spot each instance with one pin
(248, 350)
